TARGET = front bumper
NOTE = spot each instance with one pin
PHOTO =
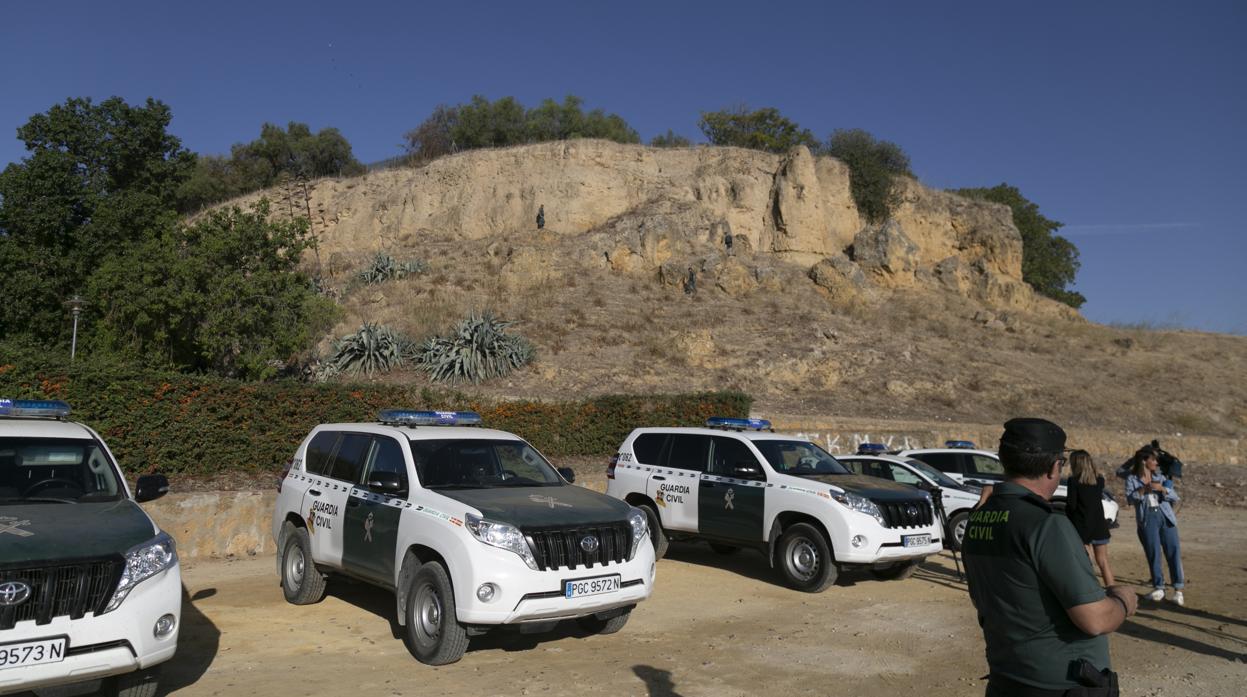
(526, 595)
(117, 642)
(885, 546)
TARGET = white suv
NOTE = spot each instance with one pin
(961, 461)
(470, 528)
(90, 587)
(736, 484)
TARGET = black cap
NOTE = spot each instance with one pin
(1033, 436)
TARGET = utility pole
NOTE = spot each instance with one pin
(75, 307)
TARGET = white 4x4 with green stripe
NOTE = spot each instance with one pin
(737, 485)
(469, 527)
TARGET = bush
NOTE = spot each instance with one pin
(373, 349)
(202, 425)
(477, 349)
(875, 168)
(384, 268)
(670, 139)
(761, 129)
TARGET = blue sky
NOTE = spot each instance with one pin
(1123, 120)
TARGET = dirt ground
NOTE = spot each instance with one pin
(716, 626)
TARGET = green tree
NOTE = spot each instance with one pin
(223, 295)
(875, 168)
(434, 137)
(670, 139)
(485, 124)
(761, 129)
(293, 151)
(1049, 261)
(98, 178)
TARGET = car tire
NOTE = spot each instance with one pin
(724, 549)
(957, 530)
(596, 625)
(301, 582)
(897, 572)
(140, 683)
(656, 534)
(804, 559)
(434, 635)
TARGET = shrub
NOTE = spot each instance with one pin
(176, 423)
(384, 268)
(373, 349)
(477, 349)
(875, 168)
(670, 139)
(761, 129)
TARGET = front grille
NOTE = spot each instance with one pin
(558, 547)
(897, 514)
(72, 590)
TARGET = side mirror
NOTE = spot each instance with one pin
(151, 487)
(385, 483)
(569, 474)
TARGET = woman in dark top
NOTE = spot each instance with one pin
(1086, 511)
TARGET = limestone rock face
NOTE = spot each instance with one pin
(635, 210)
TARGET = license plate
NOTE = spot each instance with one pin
(915, 540)
(590, 586)
(32, 653)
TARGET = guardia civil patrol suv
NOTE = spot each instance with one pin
(89, 586)
(471, 528)
(737, 485)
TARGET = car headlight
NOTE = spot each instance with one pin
(861, 504)
(502, 536)
(142, 562)
(640, 529)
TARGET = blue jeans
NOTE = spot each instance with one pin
(1158, 537)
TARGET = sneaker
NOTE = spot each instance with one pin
(1178, 599)
(1158, 595)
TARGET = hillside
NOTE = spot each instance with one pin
(793, 298)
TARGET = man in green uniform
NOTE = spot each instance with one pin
(1044, 616)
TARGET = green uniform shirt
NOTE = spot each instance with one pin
(1026, 566)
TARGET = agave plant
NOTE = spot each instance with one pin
(373, 349)
(383, 267)
(477, 349)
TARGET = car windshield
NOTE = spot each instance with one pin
(798, 457)
(935, 475)
(480, 463)
(56, 470)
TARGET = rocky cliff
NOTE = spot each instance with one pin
(662, 212)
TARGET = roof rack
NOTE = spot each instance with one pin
(730, 424)
(409, 417)
(34, 408)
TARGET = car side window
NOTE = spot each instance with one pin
(647, 448)
(387, 457)
(902, 475)
(352, 453)
(944, 462)
(855, 466)
(688, 452)
(988, 465)
(320, 452)
(730, 455)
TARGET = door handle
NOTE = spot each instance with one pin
(352, 502)
(661, 479)
(313, 492)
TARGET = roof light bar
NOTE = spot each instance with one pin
(34, 408)
(738, 424)
(871, 448)
(959, 444)
(408, 417)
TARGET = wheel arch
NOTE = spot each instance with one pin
(413, 558)
(787, 519)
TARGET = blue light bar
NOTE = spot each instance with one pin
(871, 448)
(407, 417)
(45, 408)
(738, 424)
(959, 444)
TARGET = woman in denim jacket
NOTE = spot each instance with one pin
(1153, 496)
